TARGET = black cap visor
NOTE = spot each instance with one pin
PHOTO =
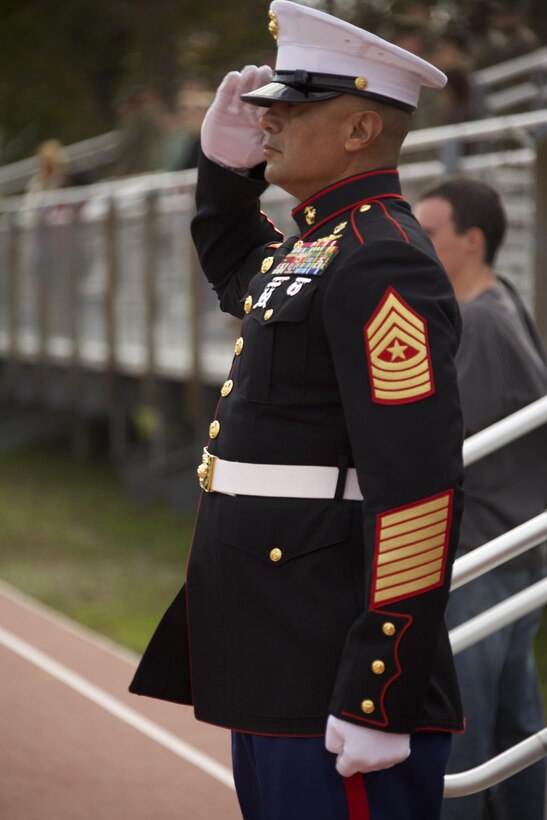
(279, 92)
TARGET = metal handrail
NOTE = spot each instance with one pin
(476, 563)
(510, 69)
(498, 616)
(499, 768)
(499, 550)
(498, 127)
(505, 431)
(83, 155)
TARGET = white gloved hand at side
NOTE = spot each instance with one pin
(361, 749)
(230, 133)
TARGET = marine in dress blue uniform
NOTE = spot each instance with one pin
(321, 560)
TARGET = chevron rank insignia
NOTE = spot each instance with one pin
(397, 350)
(411, 549)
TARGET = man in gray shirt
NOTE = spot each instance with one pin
(501, 367)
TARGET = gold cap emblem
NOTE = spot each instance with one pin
(273, 25)
(361, 83)
(309, 213)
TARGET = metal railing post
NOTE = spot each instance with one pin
(540, 296)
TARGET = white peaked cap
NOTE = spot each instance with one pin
(320, 56)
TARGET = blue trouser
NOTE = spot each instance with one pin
(501, 700)
(291, 778)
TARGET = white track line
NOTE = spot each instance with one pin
(116, 708)
(46, 613)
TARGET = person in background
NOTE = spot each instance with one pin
(311, 624)
(501, 367)
(141, 132)
(52, 168)
(182, 124)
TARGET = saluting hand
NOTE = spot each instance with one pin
(361, 749)
(230, 133)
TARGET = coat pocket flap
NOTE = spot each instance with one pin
(278, 529)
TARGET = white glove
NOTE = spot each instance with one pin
(361, 749)
(230, 133)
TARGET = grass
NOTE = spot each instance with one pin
(72, 537)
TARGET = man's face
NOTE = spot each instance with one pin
(435, 217)
(304, 144)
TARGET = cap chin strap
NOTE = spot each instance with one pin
(308, 82)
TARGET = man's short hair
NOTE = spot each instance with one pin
(474, 205)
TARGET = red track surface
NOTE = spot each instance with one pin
(63, 756)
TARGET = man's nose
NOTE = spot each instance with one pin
(269, 121)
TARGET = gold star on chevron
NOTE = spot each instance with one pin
(397, 350)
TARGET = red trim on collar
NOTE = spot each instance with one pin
(342, 182)
(347, 208)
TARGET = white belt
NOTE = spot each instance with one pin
(275, 480)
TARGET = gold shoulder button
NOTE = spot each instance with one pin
(266, 264)
(268, 314)
(248, 303)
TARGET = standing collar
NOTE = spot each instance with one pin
(344, 195)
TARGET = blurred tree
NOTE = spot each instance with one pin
(62, 64)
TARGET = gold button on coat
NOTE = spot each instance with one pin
(226, 388)
(266, 264)
(248, 303)
(268, 314)
(238, 346)
(388, 629)
(367, 706)
(214, 429)
(365, 208)
(276, 555)
(378, 667)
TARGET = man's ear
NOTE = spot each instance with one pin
(363, 128)
(475, 241)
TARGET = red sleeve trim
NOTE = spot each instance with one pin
(384, 721)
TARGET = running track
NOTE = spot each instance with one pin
(75, 745)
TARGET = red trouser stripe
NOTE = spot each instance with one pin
(356, 795)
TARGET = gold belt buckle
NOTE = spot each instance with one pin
(205, 470)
